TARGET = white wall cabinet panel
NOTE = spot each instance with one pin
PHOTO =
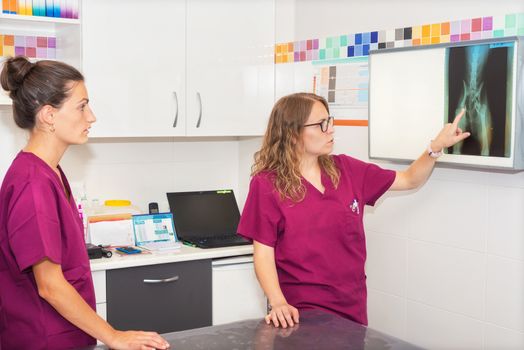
(99, 283)
(236, 292)
(134, 63)
(101, 310)
(230, 69)
(140, 74)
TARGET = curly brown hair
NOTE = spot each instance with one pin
(279, 152)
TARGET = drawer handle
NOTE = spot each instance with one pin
(165, 280)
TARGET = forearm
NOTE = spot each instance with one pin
(60, 294)
(68, 303)
(420, 170)
(266, 271)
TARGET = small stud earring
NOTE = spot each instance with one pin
(52, 128)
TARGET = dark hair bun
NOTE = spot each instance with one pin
(33, 85)
(14, 72)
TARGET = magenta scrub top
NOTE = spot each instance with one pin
(37, 221)
(319, 243)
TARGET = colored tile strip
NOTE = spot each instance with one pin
(359, 44)
(40, 47)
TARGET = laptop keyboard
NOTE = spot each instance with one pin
(222, 240)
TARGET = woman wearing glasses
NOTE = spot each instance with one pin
(304, 211)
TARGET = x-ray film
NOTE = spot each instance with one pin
(479, 79)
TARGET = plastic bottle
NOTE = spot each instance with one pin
(84, 220)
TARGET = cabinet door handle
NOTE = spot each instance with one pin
(176, 104)
(199, 98)
(165, 280)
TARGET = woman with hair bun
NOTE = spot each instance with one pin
(47, 299)
(304, 211)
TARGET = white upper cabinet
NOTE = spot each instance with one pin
(134, 65)
(230, 66)
(179, 67)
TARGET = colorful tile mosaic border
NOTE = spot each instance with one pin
(359, 44)
(40, 47)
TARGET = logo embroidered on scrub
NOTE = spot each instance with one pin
(354, 206)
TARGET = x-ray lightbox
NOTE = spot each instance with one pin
(414, 91)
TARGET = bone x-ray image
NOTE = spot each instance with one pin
(480, 79)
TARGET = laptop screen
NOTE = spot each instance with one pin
(150, 228)
(204, 213)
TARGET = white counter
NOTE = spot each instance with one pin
(185, 253)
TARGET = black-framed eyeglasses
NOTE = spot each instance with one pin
(324, 123)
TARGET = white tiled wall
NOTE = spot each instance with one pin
(315, 19)
(144, 170)
(446, 277)
(447, 259)
(388, 312)
(387, 267)
(502, 338)
(435, 328)
(446, 262)
(505, 293)
(458, 207)
(505, 234)
(246, 149)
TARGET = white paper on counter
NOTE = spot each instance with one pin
(115, 233)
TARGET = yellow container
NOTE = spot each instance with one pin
(117, 203)
(114, 206)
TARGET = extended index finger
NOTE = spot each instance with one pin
(459, 116)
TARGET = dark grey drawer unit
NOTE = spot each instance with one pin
(161, 298)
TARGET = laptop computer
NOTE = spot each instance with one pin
(206, 219)
(155, 232)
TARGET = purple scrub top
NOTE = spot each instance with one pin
(37, 221)
(319, 243)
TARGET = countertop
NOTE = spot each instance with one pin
(316, 330)
(184, 253)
